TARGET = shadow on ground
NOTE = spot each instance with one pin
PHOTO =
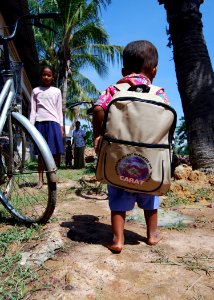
(88, 229)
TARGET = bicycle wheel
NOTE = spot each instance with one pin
(19, 176)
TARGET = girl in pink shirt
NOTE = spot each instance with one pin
(46, 115)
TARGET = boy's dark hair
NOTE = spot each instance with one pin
(140, 56)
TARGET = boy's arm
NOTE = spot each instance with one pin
(98, 116)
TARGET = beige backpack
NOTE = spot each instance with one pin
(135, 145)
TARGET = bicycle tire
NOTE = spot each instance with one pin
(18, 194)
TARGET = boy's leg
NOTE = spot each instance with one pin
(150, 205)
(120, 201)
(117, 222)
(151, 217)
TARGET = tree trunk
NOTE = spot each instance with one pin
(195, 79)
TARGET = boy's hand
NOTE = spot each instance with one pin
(96, 144)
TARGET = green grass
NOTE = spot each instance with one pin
(3, 214)
(174, 201)
(15, 277)
(180, 226)
(198, 262)
(13, 285)
(16, 234)
(205, 193)
(191, 262)
(74, 174)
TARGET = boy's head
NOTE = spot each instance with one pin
(68, 142)
(140, 57)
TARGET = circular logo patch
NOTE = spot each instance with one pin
(134, 166)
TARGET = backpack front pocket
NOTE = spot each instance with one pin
(138, 169)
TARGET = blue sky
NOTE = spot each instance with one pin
(126, 21)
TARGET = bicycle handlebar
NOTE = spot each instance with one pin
(35, 17)
(89, 111)
(79, 103)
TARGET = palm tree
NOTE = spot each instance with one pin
(195, 78)
(80, 42)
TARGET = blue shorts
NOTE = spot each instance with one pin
(121, 200)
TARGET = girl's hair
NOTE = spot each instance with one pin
(140, 56)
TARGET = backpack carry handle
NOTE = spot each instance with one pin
(140, 88)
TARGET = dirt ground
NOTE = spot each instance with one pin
(78, 267)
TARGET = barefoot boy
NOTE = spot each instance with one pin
(140, 59)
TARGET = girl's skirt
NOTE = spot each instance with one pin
(51, 131)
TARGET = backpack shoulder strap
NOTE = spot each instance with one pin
(122, 86)
(154, 89)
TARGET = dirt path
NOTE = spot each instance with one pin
(80, 267)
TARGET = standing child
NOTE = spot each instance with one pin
(46, 114)
(68, 154)
(140, 59)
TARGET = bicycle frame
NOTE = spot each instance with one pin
(6, 99)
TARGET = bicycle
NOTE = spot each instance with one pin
(18, 141)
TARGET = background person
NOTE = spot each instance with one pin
(68, 154)
(78, 143)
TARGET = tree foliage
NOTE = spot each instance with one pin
(181, 146)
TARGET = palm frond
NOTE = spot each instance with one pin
(81, 42)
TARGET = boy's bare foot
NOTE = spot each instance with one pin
(114, 248)
(153, 240)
